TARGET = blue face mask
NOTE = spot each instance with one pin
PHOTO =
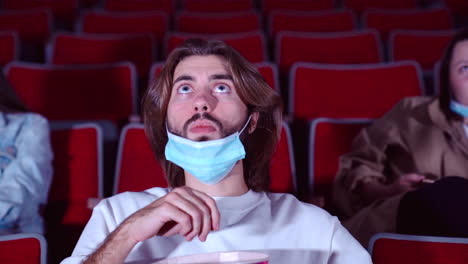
(459, 108)
(209, 161)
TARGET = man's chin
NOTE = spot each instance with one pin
(204, 137)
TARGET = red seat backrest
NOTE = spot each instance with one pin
(65, 10)
(77, 178)
(154, 22)
(459, 7)
(85, 92)
(27, 248)
(167, 6)
(217, 6)
(282, 167)
(298, 5)
(360, 5)
(137, 168)
(77, 172)
(425, 47)
(251, 45)
(359, 91)
(417, 19)
(412, 249)
(312, 21)
(217, 23)
(33, 26)
(269, 71)
(9, 47)
(338, 48)
(103, 49)
(328, 140)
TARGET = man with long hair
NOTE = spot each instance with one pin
(213, 123)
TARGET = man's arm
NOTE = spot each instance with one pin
(183, 211)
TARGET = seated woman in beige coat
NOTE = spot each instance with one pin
(397, 176)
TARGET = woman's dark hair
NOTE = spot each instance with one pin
(445, 86)
(252, 89)
(9, 101)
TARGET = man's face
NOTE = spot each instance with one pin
(204, 103)
(459, 72)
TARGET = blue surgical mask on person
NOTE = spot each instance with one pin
(459, 108)
(209, 161)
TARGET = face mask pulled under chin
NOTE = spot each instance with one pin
(459, 108)
(208, 161)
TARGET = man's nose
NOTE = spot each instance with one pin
(204, 103)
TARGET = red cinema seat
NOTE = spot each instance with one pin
(217, 23)
(352, 47)
(83, 48)
(83, 92)
(33, 26)
(63, 10)
(24, 248)
(251, 45)
(298, 5)
(9, 47)
(416, 19)
(78, 178)
(311, 21)
(154, 72)
(217, 5)
(387, 248)
(351, 91)
(424, 46)
(282, 167)
(97, 21)
(137, 168)
(360, 5)
(329, 138)
(459, 7)
(268, 70)
(167, 6)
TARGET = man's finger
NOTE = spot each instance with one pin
(214, 212)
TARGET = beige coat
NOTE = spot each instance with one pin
(413, 137)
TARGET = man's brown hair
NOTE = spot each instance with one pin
(252, 89)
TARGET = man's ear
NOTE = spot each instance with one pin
(253, 122)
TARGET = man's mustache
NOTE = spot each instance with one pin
(204, 115)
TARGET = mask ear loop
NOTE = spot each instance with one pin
(246, 123)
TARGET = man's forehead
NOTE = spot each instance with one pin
(211, 64)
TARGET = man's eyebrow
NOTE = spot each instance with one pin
(184, 78)
(221, 77)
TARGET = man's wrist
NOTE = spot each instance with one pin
(115, 248)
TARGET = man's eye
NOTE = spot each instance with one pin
(222, 88)
(184, 89)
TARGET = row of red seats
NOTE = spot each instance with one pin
(351, 47)
(93, 92)
(36, 25)
(68, 8)
(31, 249)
